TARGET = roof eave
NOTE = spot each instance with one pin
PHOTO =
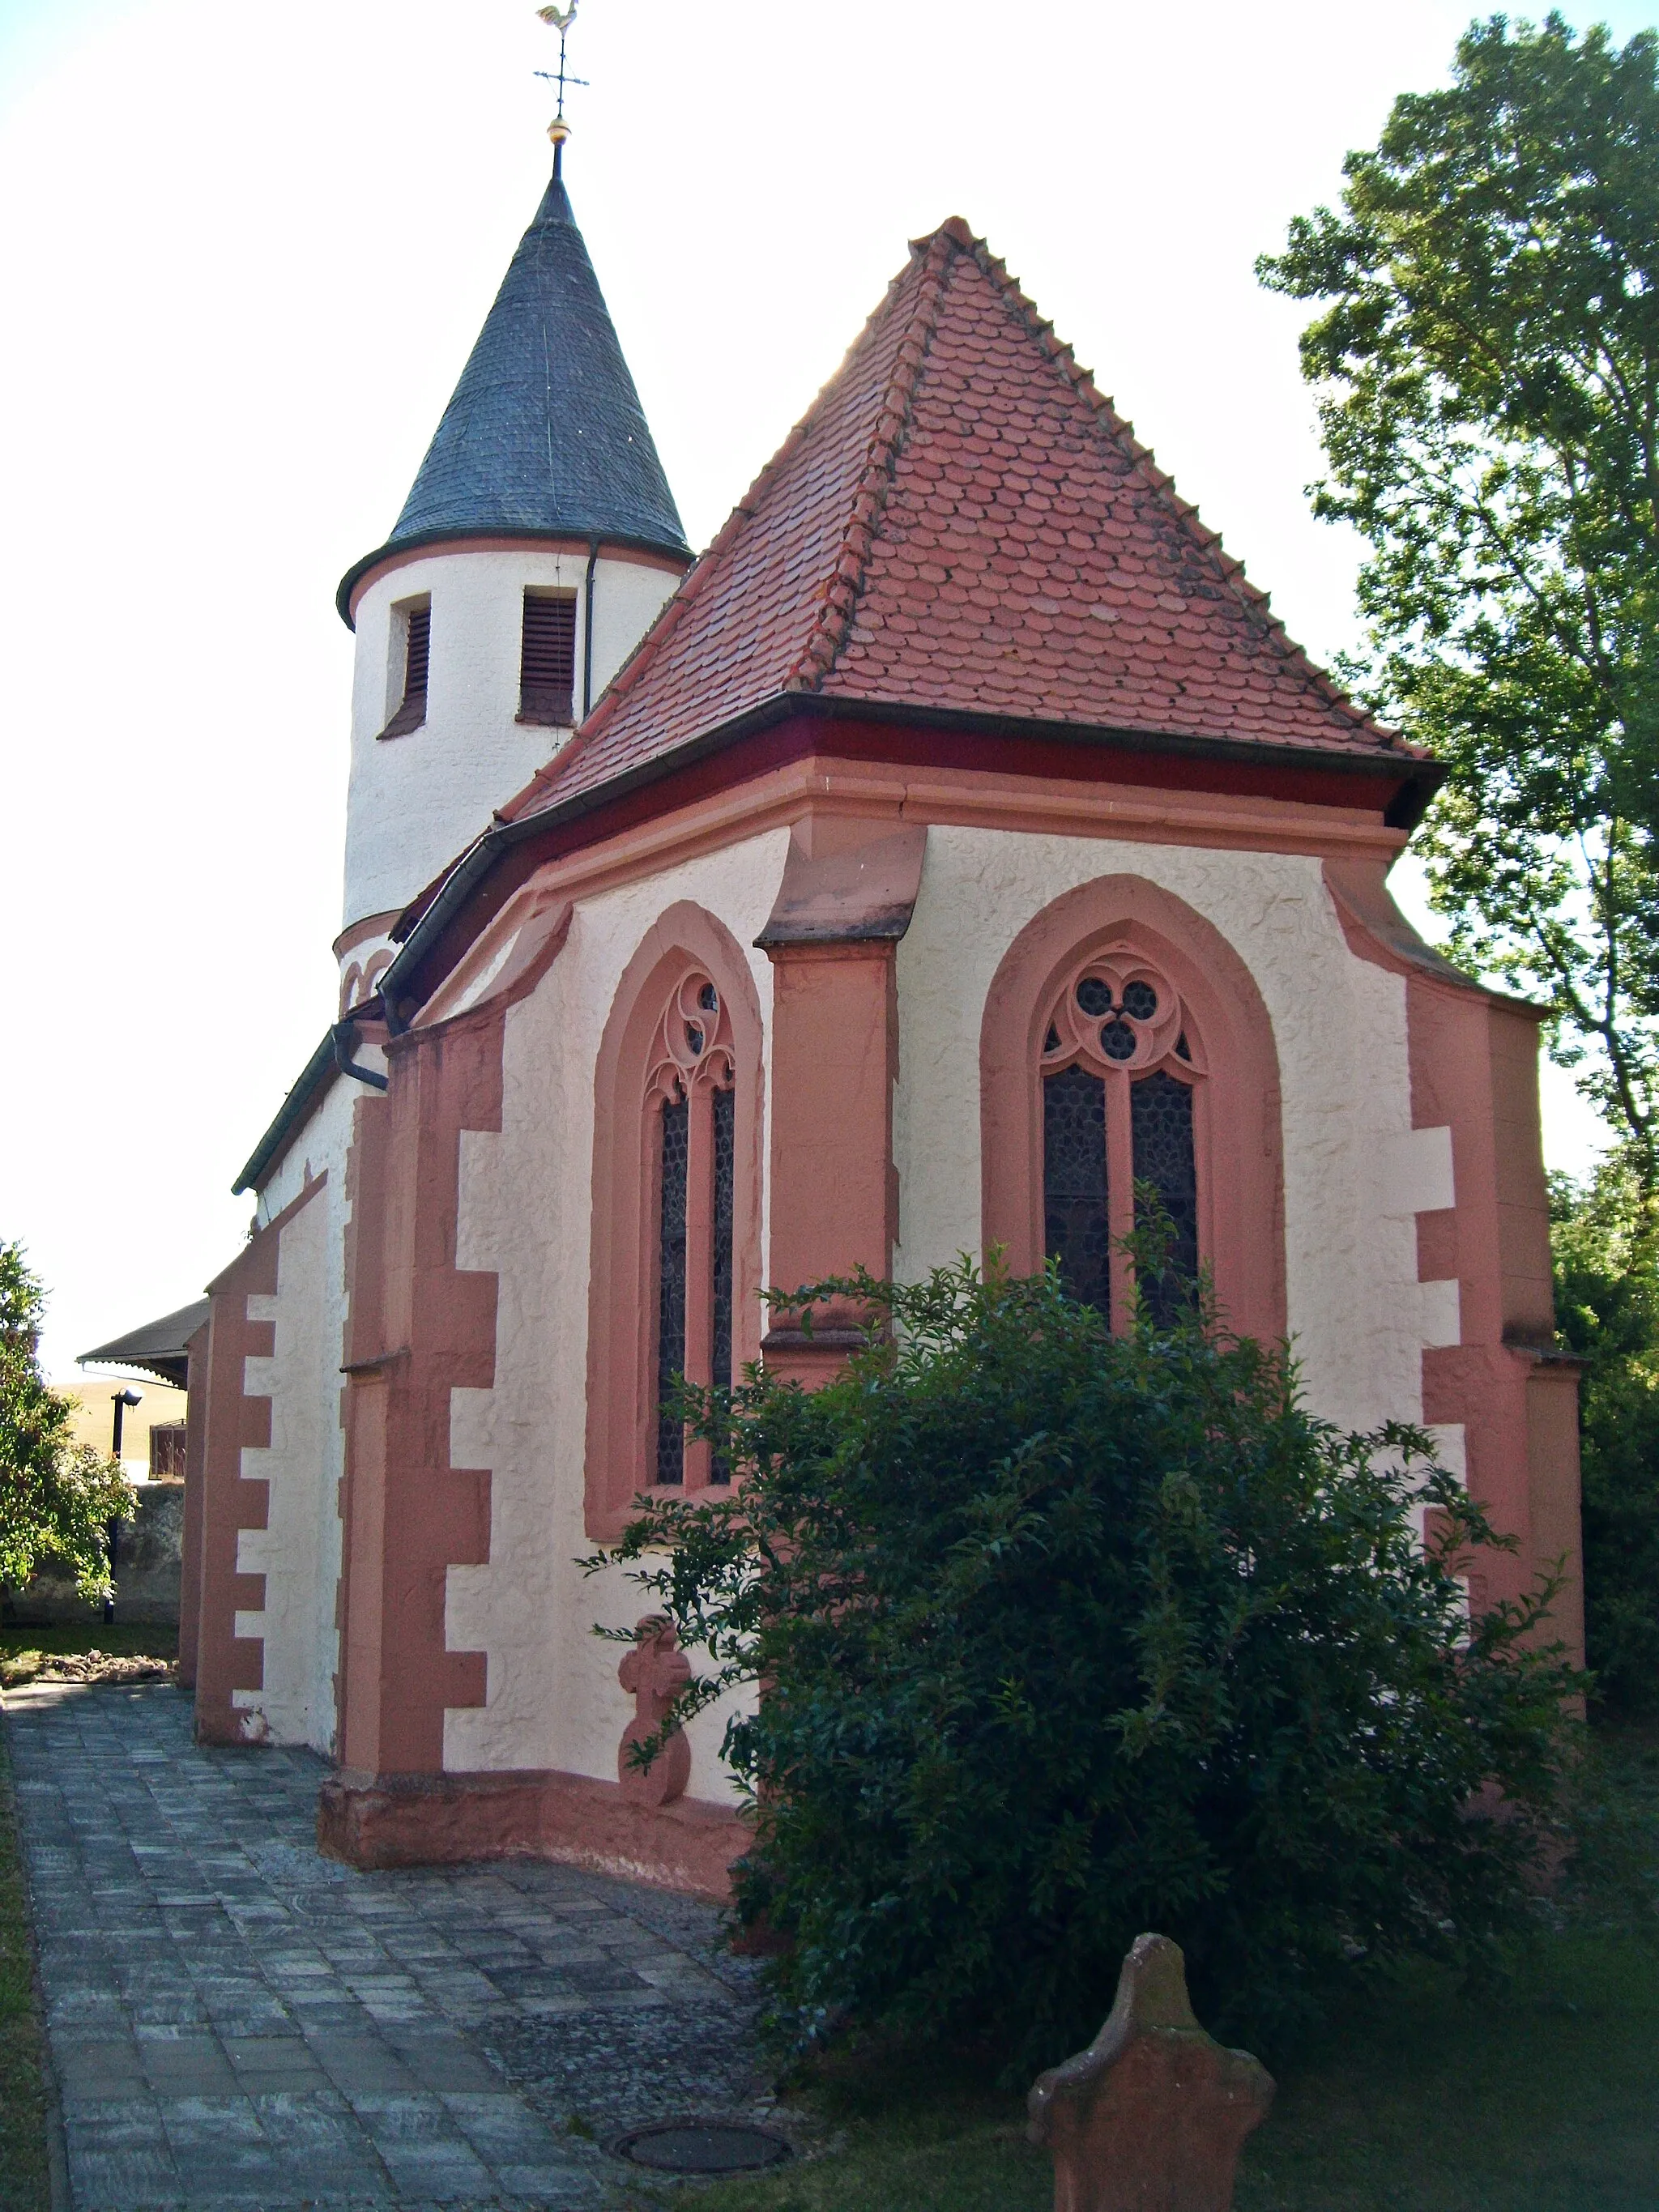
(1419, 776)
(426, 540)
(314, 1078)
(173, 1374)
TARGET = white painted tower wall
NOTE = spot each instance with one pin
(416, 801)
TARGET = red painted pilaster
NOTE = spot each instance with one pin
(190, 1577)
(419, 1328)
(225, 1421)
(225, 1662)
(1474, 1068)
(834, 1191)
(1474, 1057)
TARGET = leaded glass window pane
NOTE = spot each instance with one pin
(725, 1102)
(1076, 1230)
(1161, 1123)
(675, 1141)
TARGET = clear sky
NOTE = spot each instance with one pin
(245, 252)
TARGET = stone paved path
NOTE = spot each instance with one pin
(237, 2022)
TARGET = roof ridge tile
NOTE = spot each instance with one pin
(829, 633)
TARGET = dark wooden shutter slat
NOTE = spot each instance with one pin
(417, 659)
(420, 651)
(547, 668)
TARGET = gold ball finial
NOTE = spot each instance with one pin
(558, 131)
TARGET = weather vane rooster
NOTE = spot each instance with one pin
(559, 19)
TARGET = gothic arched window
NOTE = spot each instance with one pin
(674, 1267)
(1120, 1070)
(693, 1106)
(1124, 1041)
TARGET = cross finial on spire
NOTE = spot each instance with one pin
(559, 20)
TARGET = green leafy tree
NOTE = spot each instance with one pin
(1065, 1635)
(56, 1498)
(1486, 355)
(1606, 1305)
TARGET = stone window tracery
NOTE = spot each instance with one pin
(1121, 1069)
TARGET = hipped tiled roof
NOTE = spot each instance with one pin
(545, 435)
(963, 521)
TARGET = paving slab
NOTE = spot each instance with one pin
(237, 2022)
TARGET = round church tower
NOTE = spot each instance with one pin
(537, 544)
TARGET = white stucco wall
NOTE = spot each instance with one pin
(1356, 1175)
(553, 1699)
(298, 1552)
(1355, 1172)
(307, 1459)
(356, 963)
(416, 801)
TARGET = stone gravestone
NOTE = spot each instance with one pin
(653, 1674)
(1152, 2116)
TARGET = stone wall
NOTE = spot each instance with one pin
(147, 1569)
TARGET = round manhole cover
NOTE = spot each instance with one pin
(702, 2146)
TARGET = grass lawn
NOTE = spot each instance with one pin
(22, 2117)
(1423, 2100)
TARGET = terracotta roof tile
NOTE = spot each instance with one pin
(962, 520)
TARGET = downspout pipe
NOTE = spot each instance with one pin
(344, 1035)
(587, 628)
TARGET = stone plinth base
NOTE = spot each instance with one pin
(440, 1819)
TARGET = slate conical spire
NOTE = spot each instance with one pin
(545, 437)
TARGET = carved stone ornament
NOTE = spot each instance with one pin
(1118, 1015)
(693, 1049)
(653, 1674)
(1152, 2117)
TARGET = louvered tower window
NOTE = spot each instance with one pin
(418, 658)
(547, 668)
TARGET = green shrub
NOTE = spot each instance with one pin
(1066, 1636)
(56, 1498)
(1606, 1308)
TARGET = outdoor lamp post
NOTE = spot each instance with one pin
(121, 1401)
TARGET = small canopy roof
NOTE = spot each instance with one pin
(158, 1348)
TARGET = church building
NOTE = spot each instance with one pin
(958, 841)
